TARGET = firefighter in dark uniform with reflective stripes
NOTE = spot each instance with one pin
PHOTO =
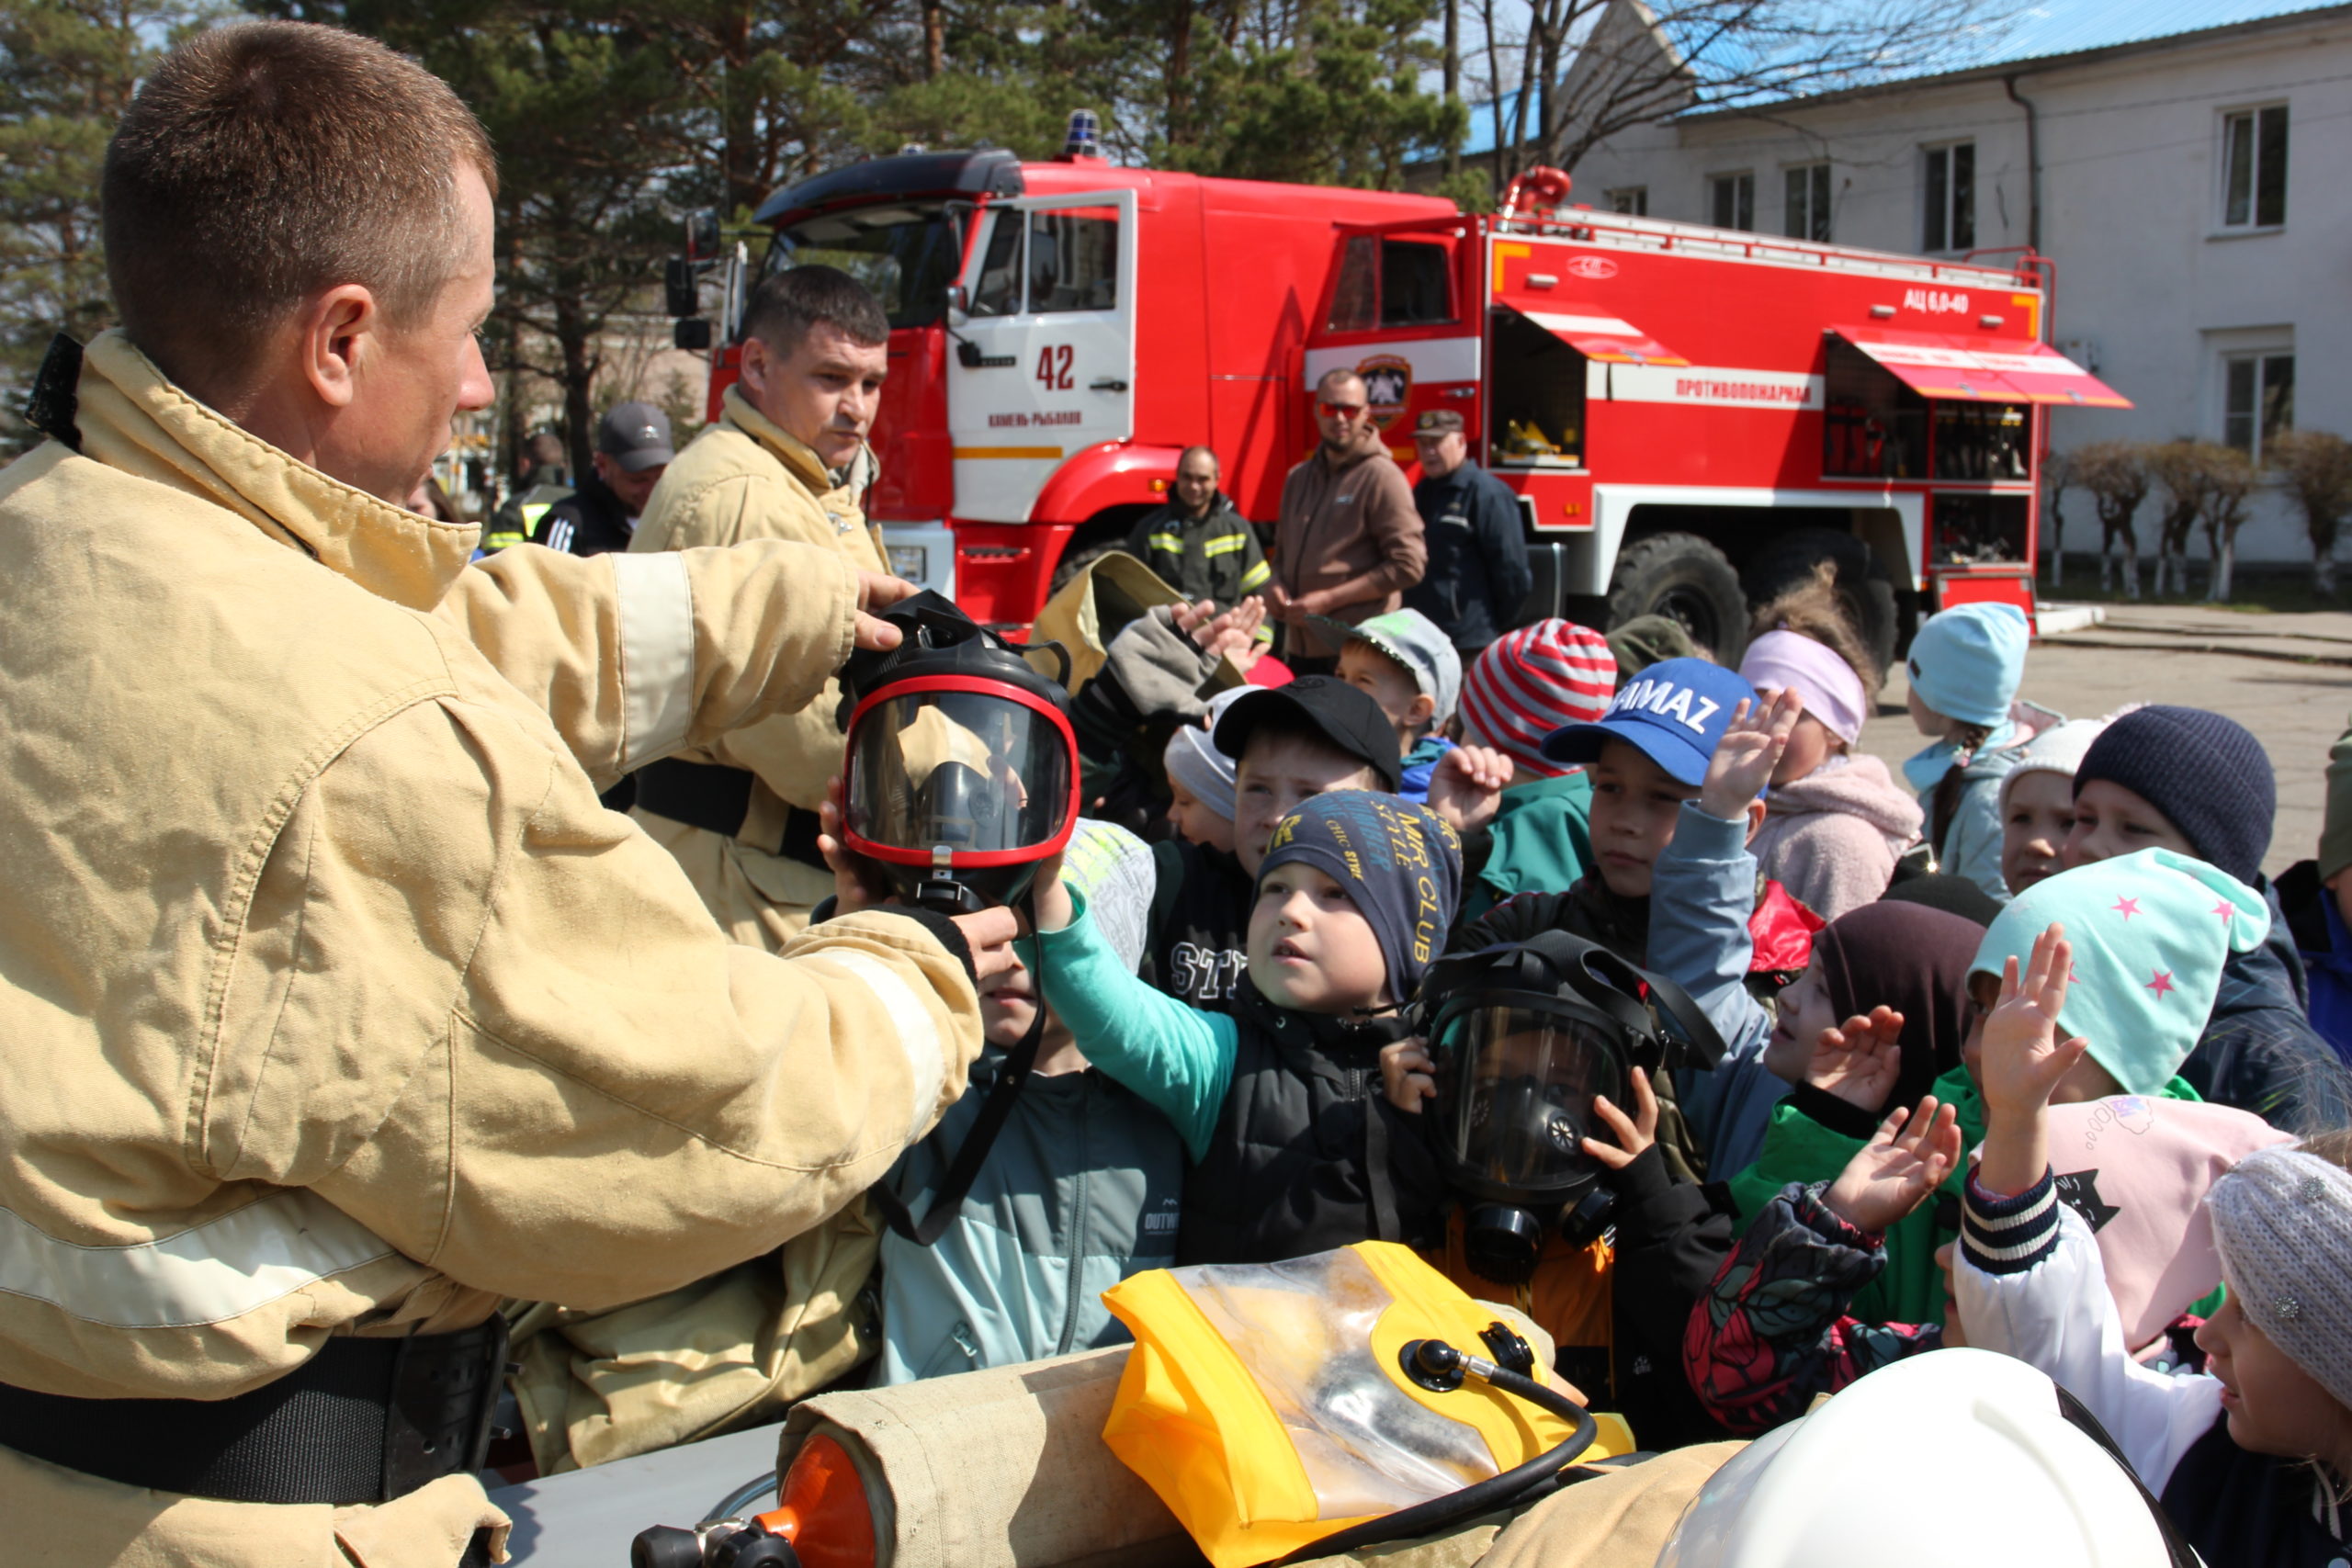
(1198, 543)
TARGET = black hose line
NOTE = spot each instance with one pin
(742, 1497)
(1480, 1497)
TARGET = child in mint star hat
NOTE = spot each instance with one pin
(1966, 666)
(2149, 931)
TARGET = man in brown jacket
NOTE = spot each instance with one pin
(337, 1008)
(1349, 541)
(786, 459)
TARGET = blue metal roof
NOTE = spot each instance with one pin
(2036, 32)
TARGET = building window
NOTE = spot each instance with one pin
(1808, 202)
(1632, 199)
(2253, 168)
(1733, 201)
(1951, 199)
(2257, 400)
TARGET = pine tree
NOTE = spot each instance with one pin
(67, 70)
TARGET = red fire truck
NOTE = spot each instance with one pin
(1690, 416)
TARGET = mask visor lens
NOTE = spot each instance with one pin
(969, 771)
(1515, 1089)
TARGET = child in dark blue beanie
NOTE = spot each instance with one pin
(1279, 1101)
(2200, 785)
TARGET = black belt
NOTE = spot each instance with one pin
(362, 1421)
(717, 799)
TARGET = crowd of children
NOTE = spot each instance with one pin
(2030, 1055)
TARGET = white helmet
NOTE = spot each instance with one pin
(1958, 1458)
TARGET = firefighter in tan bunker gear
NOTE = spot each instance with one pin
(786, 459)
(338, 1009)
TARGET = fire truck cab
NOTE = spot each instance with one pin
(1690, 417)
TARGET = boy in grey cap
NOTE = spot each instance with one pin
(633, 451)
(1407, 665)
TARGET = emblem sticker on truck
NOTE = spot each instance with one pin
(1387, 385)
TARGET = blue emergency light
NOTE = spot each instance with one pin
(1085, 139)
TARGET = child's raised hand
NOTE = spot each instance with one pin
(1050, 897)
(1860, 1063)
(2020, 1058)
(2020, 1062)
(1747, 753)
(1898, 1169)
(1407, 1073)
(1467, 787)
(1633, 1135)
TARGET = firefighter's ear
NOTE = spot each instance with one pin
(334, 333)
(753, 369)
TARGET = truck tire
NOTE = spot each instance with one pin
(1685, 579)
(1858, 578)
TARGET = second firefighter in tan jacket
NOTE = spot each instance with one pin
(786, 459)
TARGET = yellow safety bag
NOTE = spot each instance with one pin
(1266, 1406)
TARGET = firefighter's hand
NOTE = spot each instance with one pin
(1633, 1133)
(858, 883)
(1407, 1073)
(1747, 753)
(1467, 787)
(878, 591)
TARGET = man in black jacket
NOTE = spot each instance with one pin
(632, 450)
(1478, 575)
(1197, 543)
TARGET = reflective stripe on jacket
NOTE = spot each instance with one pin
(1214, 557)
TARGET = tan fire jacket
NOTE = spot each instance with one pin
(333, 1001)
(745, 479)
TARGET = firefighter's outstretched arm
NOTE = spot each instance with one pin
(573, 1088)
(635, 656)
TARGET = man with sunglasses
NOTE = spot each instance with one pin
(1349, 541)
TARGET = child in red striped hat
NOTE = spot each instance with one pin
(1521, 688)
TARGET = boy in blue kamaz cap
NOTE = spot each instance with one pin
(1647, 755)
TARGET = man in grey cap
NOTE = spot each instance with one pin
(1478, 575)
(632, 451)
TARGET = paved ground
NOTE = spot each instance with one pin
(2286, 678)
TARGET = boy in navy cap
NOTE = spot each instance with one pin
(1290, 744)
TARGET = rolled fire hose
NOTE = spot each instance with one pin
(1004, 1468)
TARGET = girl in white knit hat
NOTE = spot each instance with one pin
(2037, 801)
(2252, 1457)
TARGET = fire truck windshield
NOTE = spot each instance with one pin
(907, 253)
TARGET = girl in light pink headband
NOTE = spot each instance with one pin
(1835, 820)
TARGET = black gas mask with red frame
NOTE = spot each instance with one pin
(962, 770)
(1523, 1038)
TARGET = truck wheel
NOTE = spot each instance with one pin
(1858, 578)
(1076, 560)
(1685, 579)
